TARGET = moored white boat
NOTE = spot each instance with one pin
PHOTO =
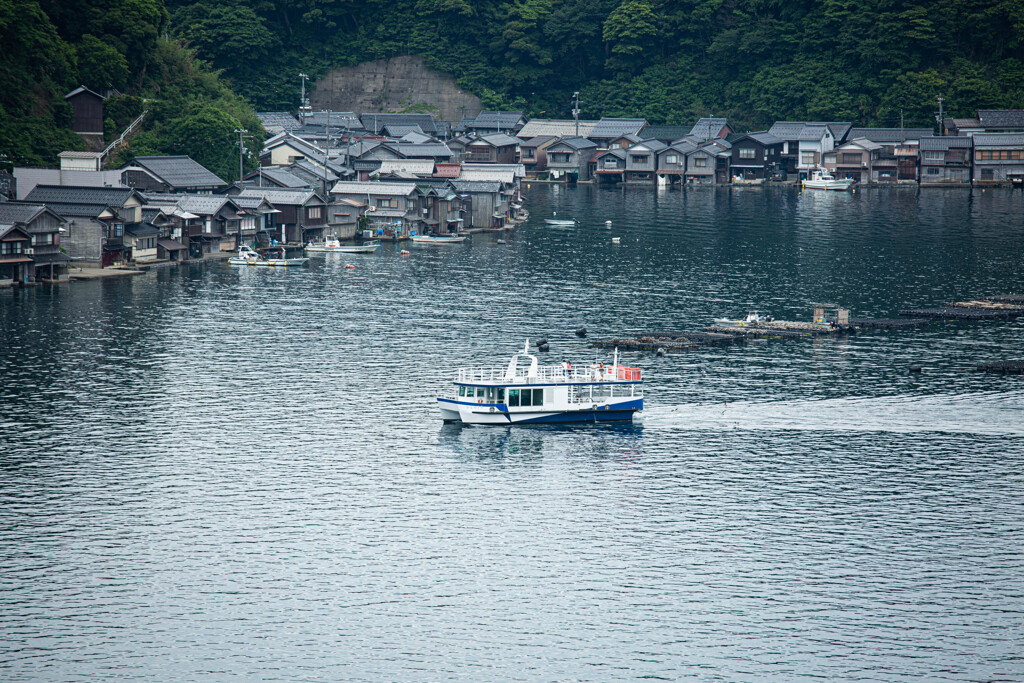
(752, 318)
(561, 222)
(527, 393)
(248, 256)
(821, 179)
(438, 239)
(332, 244)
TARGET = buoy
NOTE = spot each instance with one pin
(660, 351)
(615, 240)
(404, 252)
(607, 222)
(501, 241)
(349, 265)
(541, 342)
(543, 347)
(582, 332)
(915, 368)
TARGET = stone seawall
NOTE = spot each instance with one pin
(396, 84)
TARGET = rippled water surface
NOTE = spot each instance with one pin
(214, 473)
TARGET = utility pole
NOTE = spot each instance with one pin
(241, 150)
(576, 111)
(939, 117)
(901, 126)
(302, 100)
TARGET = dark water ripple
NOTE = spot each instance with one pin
(208, 473)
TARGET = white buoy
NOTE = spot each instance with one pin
(607, 222)
(615, 240)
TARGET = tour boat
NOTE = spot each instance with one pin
(247, 256)
(753, 318)
(332, 244)
(558, 222)
(526, 393)
(438, 239)
(821, 179)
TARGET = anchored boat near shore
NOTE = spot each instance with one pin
(527, 393)
(332, 244)
(821, 179)
(250, 257)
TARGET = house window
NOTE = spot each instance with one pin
(386, 203)
(672, 158)
(528, 153)
(999, 154)
(851, 158)
(639, 158)
(933, 171)
(808, 158)
(611, 163)
(10, 247)
(314, 212)
(42, 238)
(937, 155)
(701, 162)
(747, 152)
(117, 230)
(559, 157)
(987, 174)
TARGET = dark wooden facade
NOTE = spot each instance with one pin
(88, 110)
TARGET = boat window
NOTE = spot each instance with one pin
(480, 392)
(490, 395)
(538, 397)
(462, 391)
(526, 397)
(501, 395)
(513, 397)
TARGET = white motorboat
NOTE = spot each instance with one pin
(527, 393)
(821, 179)
(247, 256)
(559, 222)
(332, 244)
(438, 239)
(752, 318)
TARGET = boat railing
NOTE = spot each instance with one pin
(550, 373)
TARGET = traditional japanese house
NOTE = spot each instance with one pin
(496, 148)
(43, 226)
(946, 160)
(609, 166)
(179, 174)
(642, 161)
(569, 159)
(15, 263)
(533, 153)
(853, 160)
(391, 208)
(301, 217)
(671, 161)
(897, 161)
(998, 157)
(610, 128)
(755, 156)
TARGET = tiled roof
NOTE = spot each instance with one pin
(476, 186)
(16, 212)
(537, 141)
(863, 143)
(962, 123)
(889, 134)
(335, 119)
(407, 167)
(279, 196)
(707, 127)
(81, 89)
(945, 142)
(555, 127)
(424, 150)
(1001, 118)
(80, 155)
(179, 171)
(665, 133)
(141, 229)
(283, 177)
(445, 170)
(67, 194)
(202, 204)
(307, 170)
(998, 139)
(811, 132)
(276, 121)
(609, 127)
(500, 120)
(501, 140)
(397, 130)
(652, 145)
(683, 147)
(765, 138)
(618, 153)
(375, 122)
(392, 188)
(576, 143)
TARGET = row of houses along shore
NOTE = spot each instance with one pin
(390, 176)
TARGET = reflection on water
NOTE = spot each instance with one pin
(204, 460)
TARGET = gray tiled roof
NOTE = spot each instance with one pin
(707, 127)
(998, 139)
(556, 127)
(476, 185)
(16, 212)
(68, 194)
(336, 119)
(283, 177)
(277, 120)
(620, 153)
(500, 140)
(537, 141)
(374, 122)
(889, 134)
(279, 196)
(608, 127)
(141, 229)
(665, 133)
(179, 171)
(652, 145)
(376, 188)
(765, 138)
(202, 204)
(945, 142)
(501, 120)
(576, 143)
(397, 130)
(1001, 118)
(811, 132)
(421, 150)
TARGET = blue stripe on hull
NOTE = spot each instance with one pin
(589, 416)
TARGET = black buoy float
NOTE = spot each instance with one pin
(582, 332)
(541, 342)
(660, 351)
(915, 368)
(543, 347)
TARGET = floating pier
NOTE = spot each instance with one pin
(1005, 367)
(669, 341)
(888, 323)
(986, 308)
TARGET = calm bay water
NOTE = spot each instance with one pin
(214, 473)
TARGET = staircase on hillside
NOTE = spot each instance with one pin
(132, 127)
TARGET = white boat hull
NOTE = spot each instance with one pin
(501, 414)
(343, 250)
(269, 263)
(561, 223)
(438, 240)
(840, 185)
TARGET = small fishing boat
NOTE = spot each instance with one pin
(438, 239)
(752, 318)
(526, 393)
(559, 222)
(247, 256)
(821, 179)
(332, 244)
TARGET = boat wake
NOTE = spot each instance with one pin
(978, 413)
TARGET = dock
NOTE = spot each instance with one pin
(986, 308)
(1005, 367)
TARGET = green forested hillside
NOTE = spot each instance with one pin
(668, 60)
(52, 46)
